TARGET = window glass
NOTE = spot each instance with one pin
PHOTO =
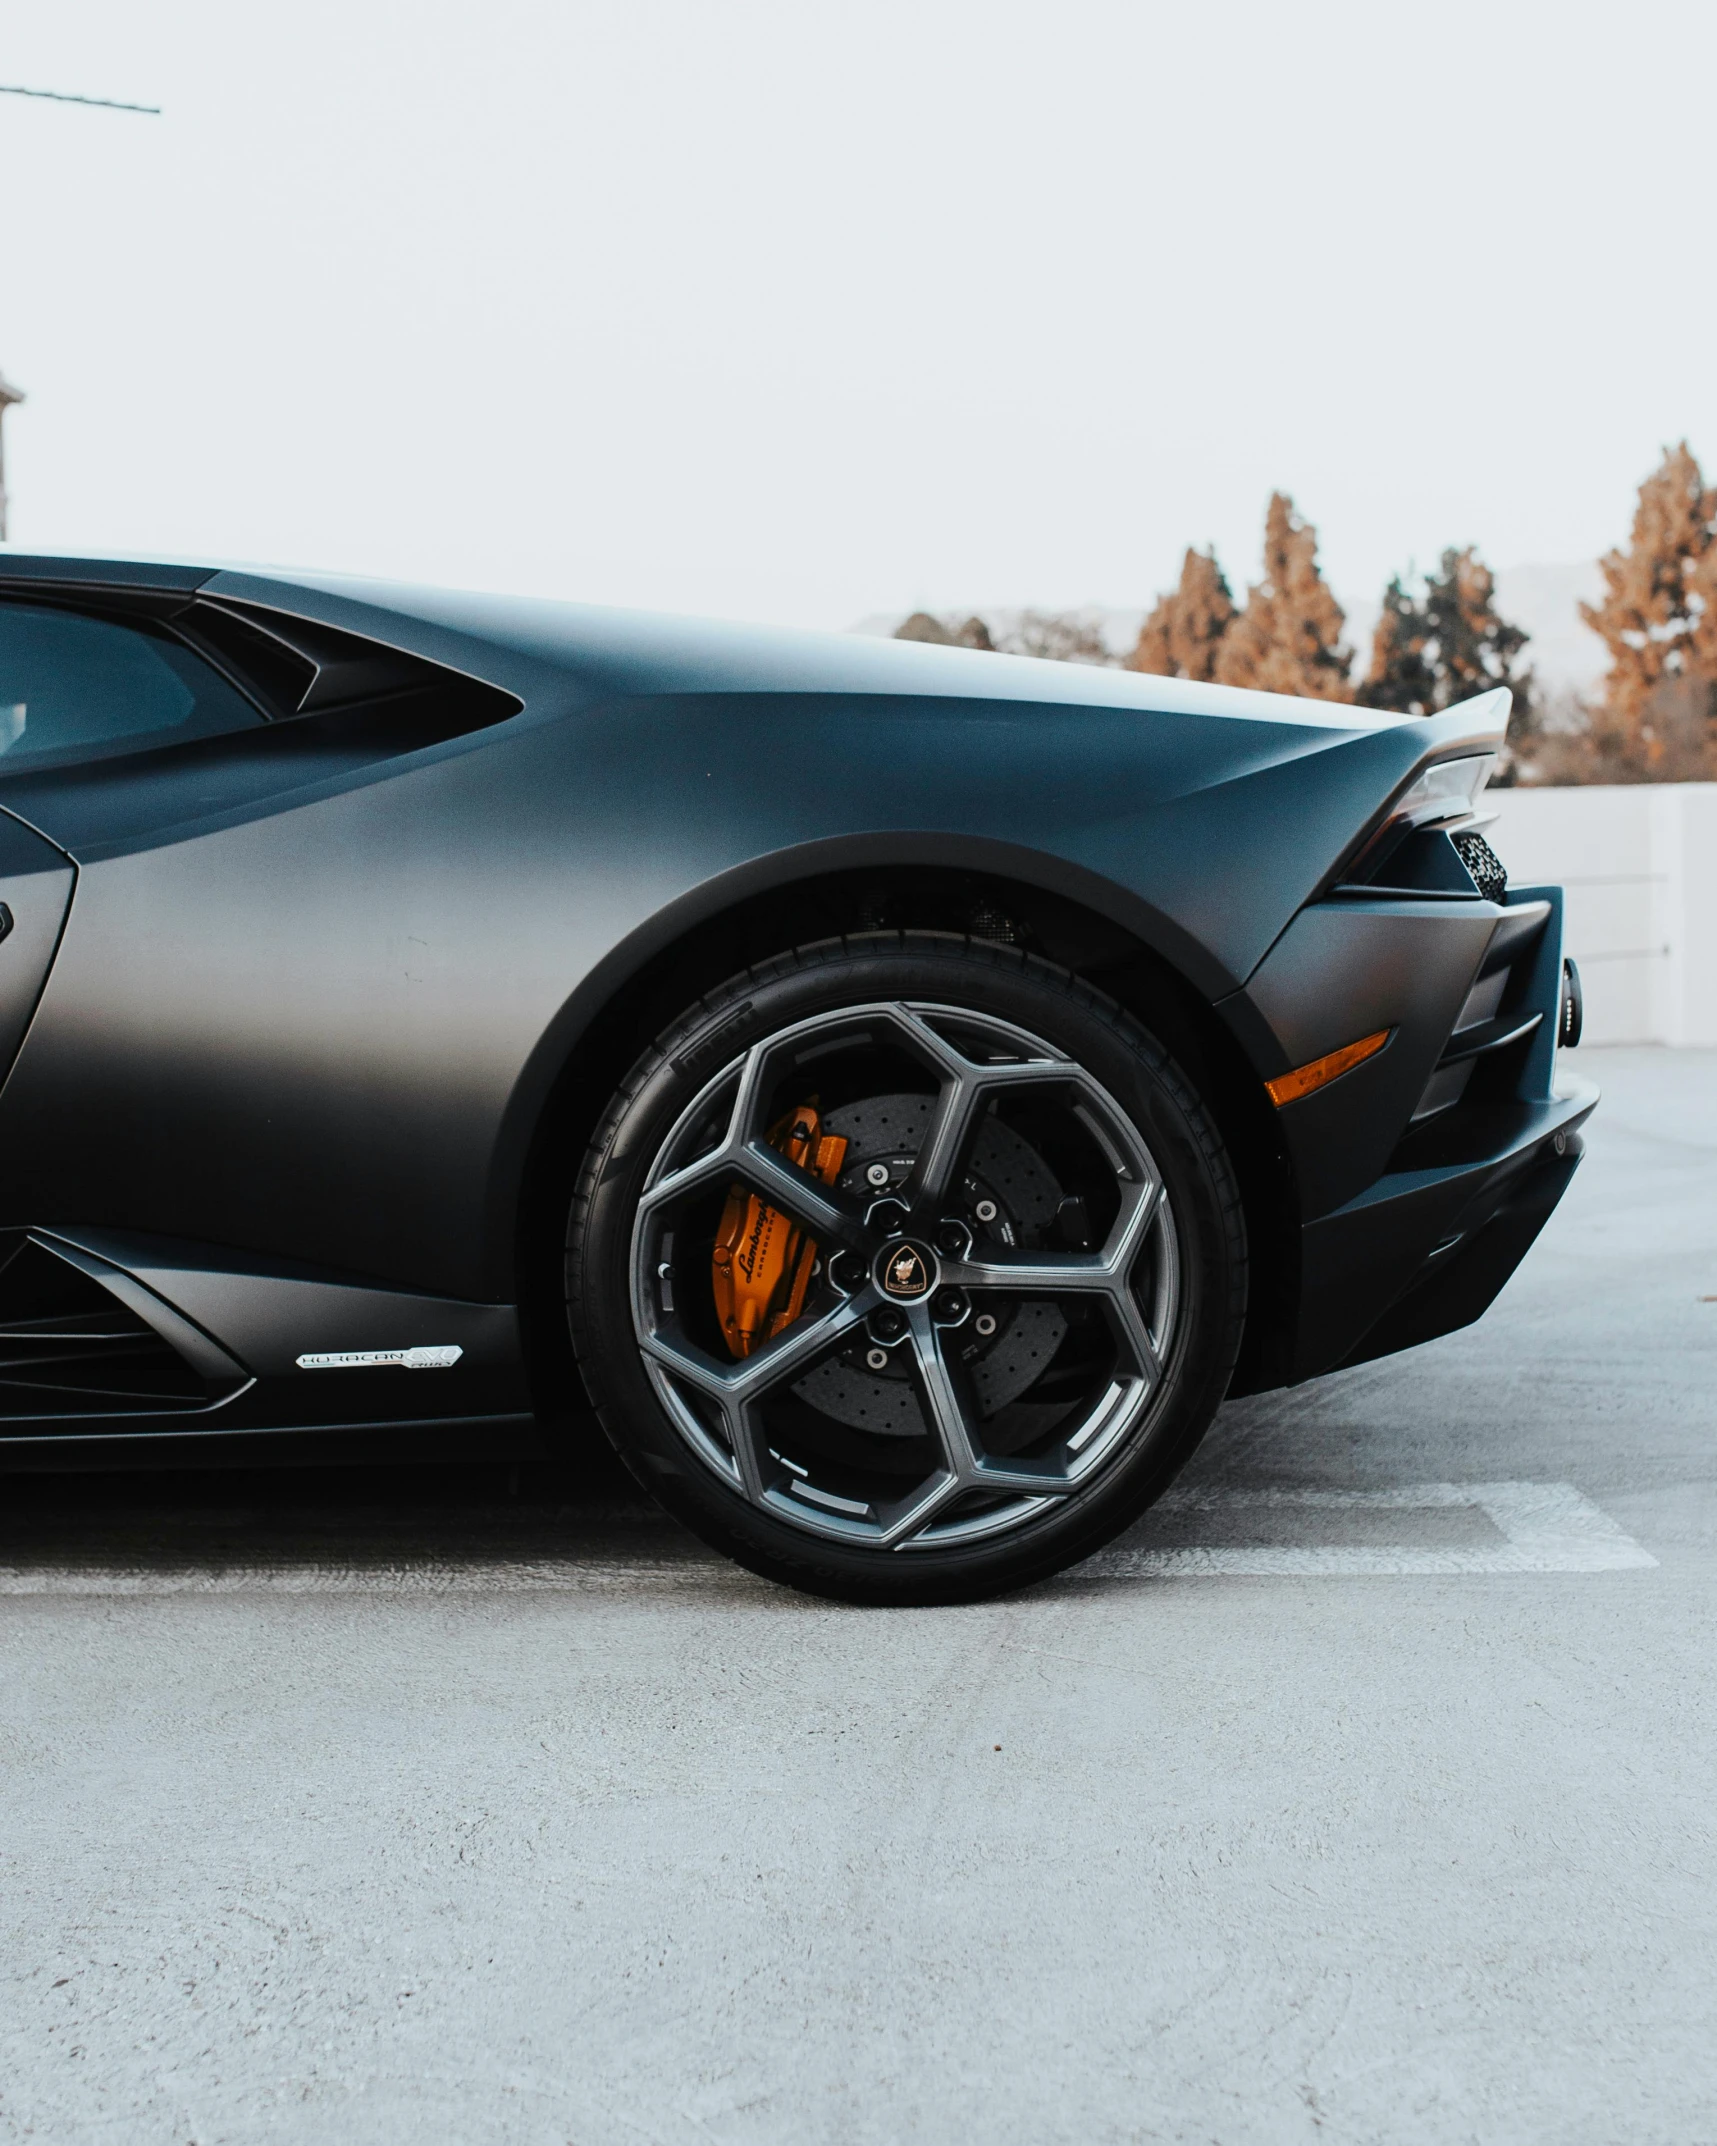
(76, 688)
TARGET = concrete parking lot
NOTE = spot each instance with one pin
(1368, 1792)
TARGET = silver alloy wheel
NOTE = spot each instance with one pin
(916, 1263)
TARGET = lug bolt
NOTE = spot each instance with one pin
(985, 1323)
(985, 1210)
(953, 1238)
(888, 1324)
(877, 1175)
(876, 1359)
(950, 1306)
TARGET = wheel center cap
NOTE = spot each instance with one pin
(906, 1270)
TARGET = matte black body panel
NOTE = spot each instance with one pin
(267, 1315)
(329, 994)
(1499, 1227)
(1342, 970)
(36, 882)
(1359, 1261)
(38, 571)
(194, 1343)
(322, 978)
(1444, 1185)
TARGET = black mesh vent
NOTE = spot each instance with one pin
(1489, 874)
(69, 1348)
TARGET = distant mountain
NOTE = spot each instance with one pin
(1566, 656)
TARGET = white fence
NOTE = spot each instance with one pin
(1640, 867)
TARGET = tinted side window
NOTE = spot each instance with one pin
(76, 689)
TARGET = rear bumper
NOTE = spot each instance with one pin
(1424, 1174)
(1423, 1252)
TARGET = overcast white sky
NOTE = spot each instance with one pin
(805, 312)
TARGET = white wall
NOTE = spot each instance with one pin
(1640, 867)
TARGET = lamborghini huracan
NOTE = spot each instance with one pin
(893, 1093)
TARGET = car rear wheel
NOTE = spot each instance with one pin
(906, 1269)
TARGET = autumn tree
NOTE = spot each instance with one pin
(1181, 637)
(1059, 636)
(1658, 619)
(1288, 638)
(1400, 676)
(1476, 648)
(1702, 604)
(1445, 645)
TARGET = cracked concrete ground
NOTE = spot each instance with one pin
(365, 1808)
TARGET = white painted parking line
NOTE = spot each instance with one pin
(1541, 1527)
(1545, 1527)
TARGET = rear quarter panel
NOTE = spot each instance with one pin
(303, 1026)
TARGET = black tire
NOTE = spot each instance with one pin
(1121, 1060)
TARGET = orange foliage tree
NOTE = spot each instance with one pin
(1181, 637)
(1430, 652)
(1288, 638)
(1658, 620)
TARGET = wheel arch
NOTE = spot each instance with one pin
(839, 890)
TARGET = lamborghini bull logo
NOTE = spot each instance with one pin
(905, 1272)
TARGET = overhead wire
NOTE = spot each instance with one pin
(60, 96)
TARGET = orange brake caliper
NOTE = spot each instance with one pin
(763, 1259)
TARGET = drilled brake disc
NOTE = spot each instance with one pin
(889, 1130)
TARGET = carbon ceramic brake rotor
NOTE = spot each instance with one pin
(890, 1129)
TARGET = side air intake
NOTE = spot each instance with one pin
(69, 1347)
(294, 667)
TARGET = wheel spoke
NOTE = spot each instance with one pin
(720, 1162)
(938, 1161)
(1062, 1273)
(826, 1213)
(745, 1157)
(752, 1376)
(1035, 1482)
(954, 1420)
(744, 1122)
(965, 1086)
(684, 1360)
(791, 1353)
(1135, 1335)
(1133, 1226)
(743, 1436)
(1034, 1274)
(912, 1515)
(1139, 1204)
(947, 1397)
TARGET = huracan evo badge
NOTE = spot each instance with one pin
(438, 1359)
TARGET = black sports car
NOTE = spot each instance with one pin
(899, 1091)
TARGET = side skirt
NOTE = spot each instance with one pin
(104, 1333)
